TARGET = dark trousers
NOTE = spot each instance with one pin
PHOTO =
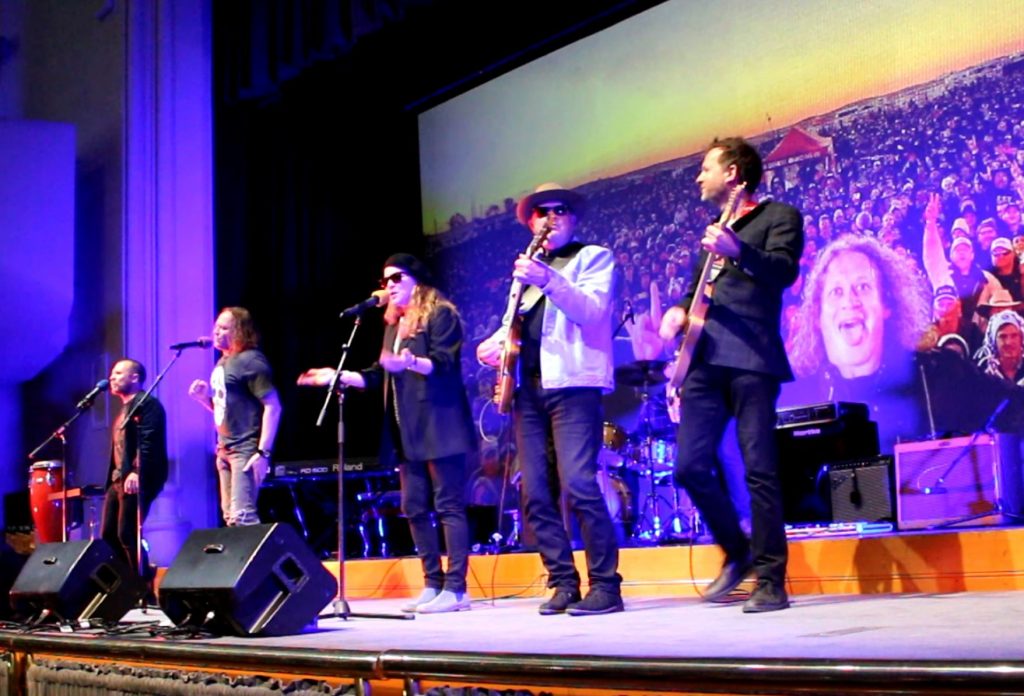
(119, 526)
(565, 423)
(711, 394)
(442, 481)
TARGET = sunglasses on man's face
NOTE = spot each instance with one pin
(545, 210)
(393, 278)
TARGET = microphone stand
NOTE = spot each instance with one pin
(138, 496)
(626, 316)
(341, 608)
(988, 429)
(58, 434)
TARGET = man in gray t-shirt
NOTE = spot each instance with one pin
(246, 411)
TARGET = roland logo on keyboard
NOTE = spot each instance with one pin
(324, 467)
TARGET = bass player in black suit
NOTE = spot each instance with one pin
(428, 427)
(737, 368)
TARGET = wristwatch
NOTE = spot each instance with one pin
(264, 453)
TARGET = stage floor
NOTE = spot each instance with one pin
(976, 626)
(911, 614)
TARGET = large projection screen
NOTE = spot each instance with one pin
(897, 123)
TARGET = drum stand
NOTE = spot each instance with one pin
(650, 528)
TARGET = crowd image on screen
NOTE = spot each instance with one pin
(925, 183)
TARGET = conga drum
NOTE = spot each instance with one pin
(44, 479)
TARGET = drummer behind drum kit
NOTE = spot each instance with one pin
(665, 512)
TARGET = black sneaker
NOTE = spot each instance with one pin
(767, 596)
(559, 602)
(597, 601)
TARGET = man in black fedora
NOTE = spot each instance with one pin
(565, 365)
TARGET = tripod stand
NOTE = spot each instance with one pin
(341, 607)
(650, 527)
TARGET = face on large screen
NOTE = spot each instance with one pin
(893, 141)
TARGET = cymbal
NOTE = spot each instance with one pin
(642, 373)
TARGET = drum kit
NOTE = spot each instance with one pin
(665, 512)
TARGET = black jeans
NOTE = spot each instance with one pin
(444, 482)
(711, 394)
(119, 524)
(566, 423)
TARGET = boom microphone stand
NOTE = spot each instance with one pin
(939, 487)
(84, 405)
(341, 608)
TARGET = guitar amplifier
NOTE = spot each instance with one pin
(804, 453)
(962, 480)
(862, 490)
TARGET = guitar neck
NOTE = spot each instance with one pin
(702, 282)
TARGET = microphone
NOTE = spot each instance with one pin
(87, 400)
(377, 298)
(201, 342)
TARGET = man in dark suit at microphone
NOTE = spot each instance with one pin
(138, 461)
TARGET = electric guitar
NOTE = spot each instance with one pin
(698, 312)
(505, 386)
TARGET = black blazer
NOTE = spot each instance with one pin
(145, 448)
(433, 417)
(743, 322)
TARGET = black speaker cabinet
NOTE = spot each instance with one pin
(804, 450)
(862, 490)
(962, 480)
(258, 580)
(74, 581)
(11, 564)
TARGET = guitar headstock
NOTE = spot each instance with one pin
(732, 203)
(538, 240)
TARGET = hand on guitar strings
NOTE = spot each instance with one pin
(672, 323)
(721, 240)
(531, 271)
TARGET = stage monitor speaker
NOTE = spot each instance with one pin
(805, 449)
(11, 563)
(974, 480)
(862, 490)
(74, 581)
(256, 580)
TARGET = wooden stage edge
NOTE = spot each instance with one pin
(977, 559)
(372, 656)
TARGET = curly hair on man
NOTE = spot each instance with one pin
(904, 294)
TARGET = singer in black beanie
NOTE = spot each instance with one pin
(428, 428)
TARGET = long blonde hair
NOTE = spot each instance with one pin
(423, 303)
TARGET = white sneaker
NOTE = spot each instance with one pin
(428, 594)
(444, 602)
